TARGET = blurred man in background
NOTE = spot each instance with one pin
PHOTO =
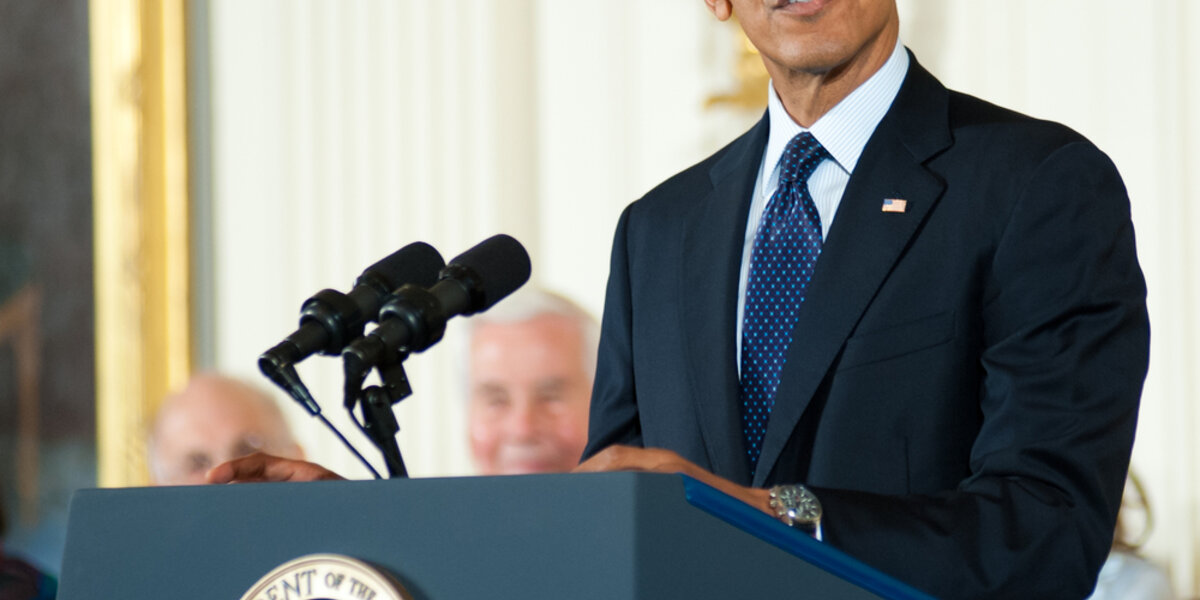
(212, 420)
(531, 362)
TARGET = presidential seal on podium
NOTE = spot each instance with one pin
(327, 577)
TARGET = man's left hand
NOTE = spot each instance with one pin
(259, 467)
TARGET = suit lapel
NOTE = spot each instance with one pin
(863, 245)
(712, 242)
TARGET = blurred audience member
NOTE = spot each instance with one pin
(213, 420)
(20, 580)
(1126, 575)
(531, 362)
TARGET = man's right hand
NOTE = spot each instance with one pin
(261, 467)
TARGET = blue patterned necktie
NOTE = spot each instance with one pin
(785, 251)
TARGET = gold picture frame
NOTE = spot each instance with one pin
(140, 221)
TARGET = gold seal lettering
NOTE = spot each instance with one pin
(301, 584)
(333, 580)
(360, 590)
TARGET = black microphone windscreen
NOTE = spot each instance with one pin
(499, 265)
(417, 263)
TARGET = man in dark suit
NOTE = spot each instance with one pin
(961, 367)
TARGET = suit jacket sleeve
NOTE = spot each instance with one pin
(1066, 338)
(614, 411)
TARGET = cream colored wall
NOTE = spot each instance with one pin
(343, 130)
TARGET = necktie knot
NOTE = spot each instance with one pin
(800, 158)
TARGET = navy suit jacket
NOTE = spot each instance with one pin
(962, 385)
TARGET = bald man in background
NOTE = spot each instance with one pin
(531, 362)
(214, 419)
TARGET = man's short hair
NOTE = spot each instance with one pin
(531, 302)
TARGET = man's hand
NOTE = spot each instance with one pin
(628, 458)
(264, 467)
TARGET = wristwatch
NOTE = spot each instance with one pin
(797, 506)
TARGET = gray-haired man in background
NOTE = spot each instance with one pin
(531, 362)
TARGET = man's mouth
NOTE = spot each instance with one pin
(801, 7)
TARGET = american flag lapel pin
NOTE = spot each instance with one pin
(894, 205)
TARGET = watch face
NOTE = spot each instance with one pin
(796, 505)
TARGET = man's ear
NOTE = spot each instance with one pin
(721, 8)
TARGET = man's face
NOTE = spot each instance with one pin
(529, 396)
(820, 36)
(209, 423)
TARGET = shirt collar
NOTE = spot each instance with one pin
(845, 129)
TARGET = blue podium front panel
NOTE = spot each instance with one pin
(580, 536)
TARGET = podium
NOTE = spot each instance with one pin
(579, 536)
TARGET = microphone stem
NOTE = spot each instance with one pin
(380, 424)
(348, 445)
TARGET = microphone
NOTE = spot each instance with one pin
(330, 320)
(414, 318)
